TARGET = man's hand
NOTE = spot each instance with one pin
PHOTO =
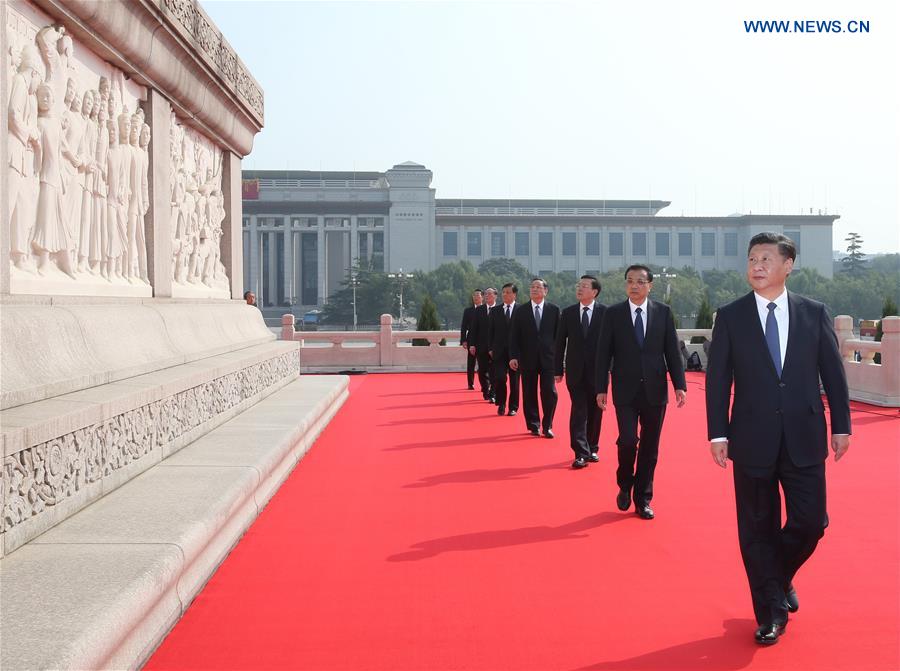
(558, 378)
(840, 445)
(681, 397)
(601, 401)
(472, 350)
(514, 364)
(719, 451)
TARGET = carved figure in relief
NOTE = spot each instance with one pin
(23, 140)
(138, 205)
(99, 232)
(87, 149)
(117, 202)
(74, 127)
(50, 232)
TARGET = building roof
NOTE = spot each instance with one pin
(311, 174)
(548, 203)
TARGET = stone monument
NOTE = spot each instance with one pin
(122, 330)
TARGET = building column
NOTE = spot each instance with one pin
(158, 225)
(231, 246)
(298, 270)
(253, 283)
(322, 263)
(354, 241)
(272, 274)
(288, 263)
(580, 245)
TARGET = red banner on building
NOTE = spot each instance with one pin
(250, 189)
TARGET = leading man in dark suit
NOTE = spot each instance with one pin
(532, 342)
(639, 342)
(774, 346)
(501, 319)
(465, 328)
(576, 344)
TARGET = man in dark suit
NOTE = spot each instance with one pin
(639, 341)
(480, 342)
(576, 342)
(532, 342)
(468, 320)
(774, 346)
(501, 319)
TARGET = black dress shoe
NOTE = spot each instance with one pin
(501, 410)
(535, 432)
(512, 413)
(768, 634)
(791, 602)
(579, 463)
(623, 500)
(471, 387)
(594, 457)
(548, 433)
(645, 512)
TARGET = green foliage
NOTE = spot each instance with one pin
(888, 309)
(428, 321)
(704, 318)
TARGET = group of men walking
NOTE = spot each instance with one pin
(770, 346)
(539, 345)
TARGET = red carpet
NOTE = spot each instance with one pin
(424, 532)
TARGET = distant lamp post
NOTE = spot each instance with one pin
(354, 282)
(668, 276)
(401, 277)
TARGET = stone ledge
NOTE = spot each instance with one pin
(102, 589)
(109, 341)
(61, 454)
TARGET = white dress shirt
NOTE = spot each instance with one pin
(643, 307)
(782, 318)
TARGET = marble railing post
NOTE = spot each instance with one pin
(159, 233)
(890, 351)
(843, 328)
(386, 344)
(232, 227)
(287, 327)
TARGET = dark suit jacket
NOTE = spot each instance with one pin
(533, 350)
(499, 332)
(468, 319)
(480, 333)
(580, 353)
(765, 407)
(632, 365)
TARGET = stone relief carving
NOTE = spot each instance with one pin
(42, 476)
(198, 208)
(78, 164)
(195, 22)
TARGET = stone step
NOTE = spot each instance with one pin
(102, 588)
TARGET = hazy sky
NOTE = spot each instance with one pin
(652, 99)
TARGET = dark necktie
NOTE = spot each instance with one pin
(537, 316)
(639, 328)
(507, 314)
(772, 338)
(585, 321)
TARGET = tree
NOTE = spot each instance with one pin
(704, 318)
(428, 321)
(854, 262)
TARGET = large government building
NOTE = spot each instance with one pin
(304, 230)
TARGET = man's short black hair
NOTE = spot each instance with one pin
(541, 280)
(639, 266)
(595, 283)
(786, 247)
(512, 286)
(477, 291)
(247, 294)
